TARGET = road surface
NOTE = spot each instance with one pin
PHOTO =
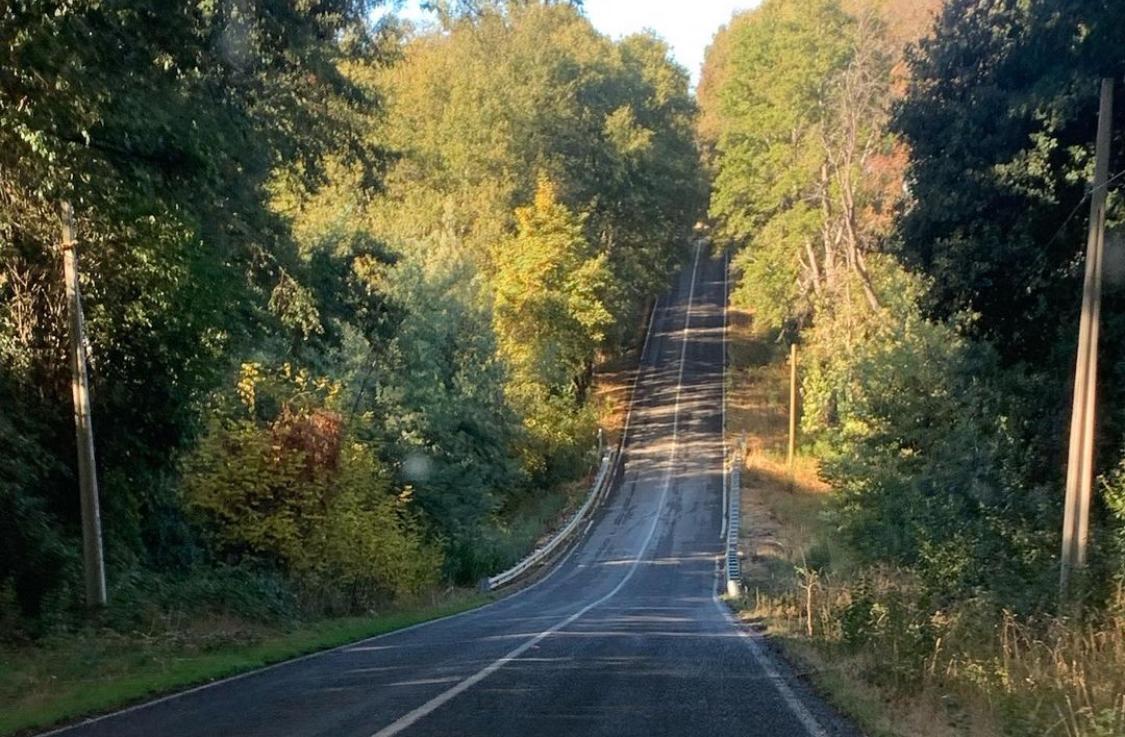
(623, 637)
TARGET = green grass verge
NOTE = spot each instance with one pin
(84, 674)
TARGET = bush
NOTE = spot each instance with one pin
(924, 445)
(143, 598)
(33, 555)
(279, 478)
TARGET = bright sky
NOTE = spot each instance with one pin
(687, 25)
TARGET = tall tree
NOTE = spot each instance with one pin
(162, 122)
(1000, 117)
(801, 120)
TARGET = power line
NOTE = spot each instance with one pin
(1078, 206)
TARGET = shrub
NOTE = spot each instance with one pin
(279, 477)
(924, 445)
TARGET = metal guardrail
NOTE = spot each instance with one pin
(602, 482)
(732, 564)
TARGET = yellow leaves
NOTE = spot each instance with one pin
(302, 490)
(296, 384)
(546, 197)
(249, 375)
(551, 315)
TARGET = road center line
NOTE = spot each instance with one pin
(449, 694)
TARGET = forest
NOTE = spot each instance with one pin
(906, 189)
(342, 324)
(348, 285)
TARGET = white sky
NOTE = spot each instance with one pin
(687, 25)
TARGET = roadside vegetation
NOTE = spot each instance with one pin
(900, 195)
(72, 674)
(347, 287)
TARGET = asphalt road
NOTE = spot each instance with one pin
(623, 637)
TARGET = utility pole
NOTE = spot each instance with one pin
(92, 559)
(1080, 464)
(792, 405)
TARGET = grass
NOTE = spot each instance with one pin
(91, 672)
(78, 674)
(791, 547)
(868, 637)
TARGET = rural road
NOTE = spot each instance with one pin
(624, 637)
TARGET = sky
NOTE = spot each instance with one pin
(687, 25)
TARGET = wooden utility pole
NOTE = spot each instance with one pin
(1080, 464)
(792, 405)
(92, 559)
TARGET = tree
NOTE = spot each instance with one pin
(162, 123)
(802, 113)
(479, 110)
(279, 474)
(1000, 116)
(550, 318)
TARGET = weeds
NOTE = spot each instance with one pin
(876, 638)
(1044, 676)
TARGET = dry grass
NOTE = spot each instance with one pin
(612, 386)
(965, 671)
(867, 637)
(613, 383)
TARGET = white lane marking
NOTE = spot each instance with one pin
(408, 719)
(804, 716)
(356, 645)
(348, 646)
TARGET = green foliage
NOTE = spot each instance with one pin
(922, 442)
(1000, 115)
(282, 479)
(32, 553)
(1113, 534)
(504, 305)
(938, 395)
(483, 108)
(769, 146)
(162, 122)
(550, 318)
(440, 387)
(272, 184)
(797, 97)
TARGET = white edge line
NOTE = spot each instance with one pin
(308, 656)
(417, 625)
(808, 721)
(420, 712)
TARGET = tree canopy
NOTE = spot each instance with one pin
(356, 218)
